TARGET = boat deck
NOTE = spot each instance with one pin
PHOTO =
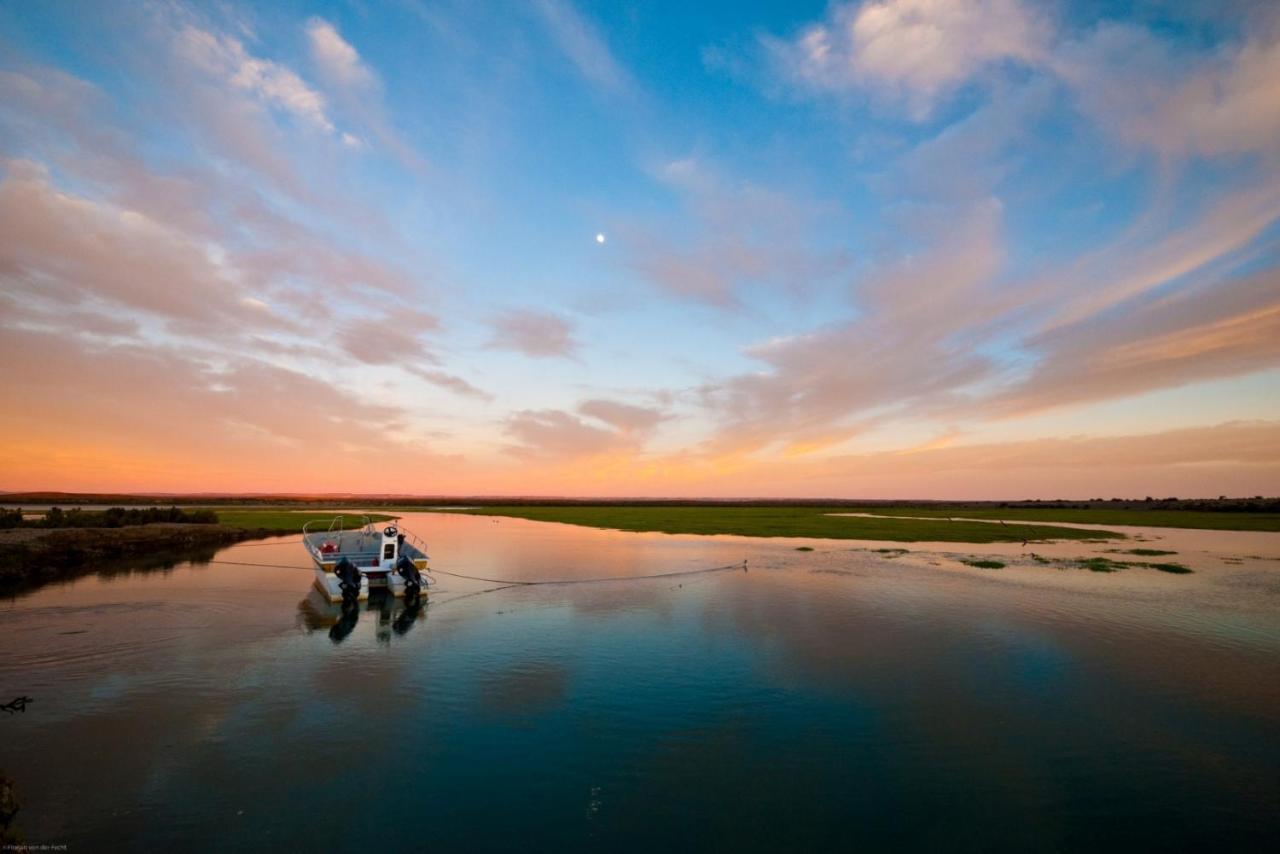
(361, 547)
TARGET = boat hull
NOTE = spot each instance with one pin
(372, 578)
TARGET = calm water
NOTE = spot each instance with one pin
(818, 700)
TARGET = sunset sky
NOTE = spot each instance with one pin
(906, 248)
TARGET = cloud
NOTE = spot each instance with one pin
(1236, 458)
(1148, 90)
(359, 90)
(1162, 305)
(623, 417)
(82, 385)
(583, 45)
(338, 59)
(64, 247)
(538, 334)
(1143, 262)
(946, 336)
(1218, 329)
(1242, 443)
(451, 382)
(733, 236)
(555, 433)
(1179, 102)
(558, 434)
(270, 83)
(387, 340)
(916, 50)
(915, 344)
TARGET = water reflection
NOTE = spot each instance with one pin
(393, 616)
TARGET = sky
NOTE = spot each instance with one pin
(976, 249)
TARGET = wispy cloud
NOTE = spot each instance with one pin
(60, 246)
(915, 345)
(732, 236)
(1159, 95)
(452, 382)
(270, 83)
(360, 90)
(584, 46)
(607, 427)
(539, 334)
(1218, 329)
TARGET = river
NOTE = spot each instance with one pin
(811, 700)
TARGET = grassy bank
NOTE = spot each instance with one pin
(34, 555)
(30, 558)
(1097, 516)
(785, 522)
(285, 521)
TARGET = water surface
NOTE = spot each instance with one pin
(817, 699)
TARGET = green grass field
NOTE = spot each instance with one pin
(1099, 516)
(284, 521)
(786, 522)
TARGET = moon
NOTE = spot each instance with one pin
(599, 238)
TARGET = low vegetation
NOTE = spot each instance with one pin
(31, 558)
(64, 544)
(984, 564)
(1100, 564)
(1175, 568)
(1216, 520)
(114, 517)
(289, 521)
(1105, 564)
(781, 521)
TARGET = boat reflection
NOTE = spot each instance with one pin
(394, 616)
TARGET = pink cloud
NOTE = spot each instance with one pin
(538, 334)
(916, 50)
(1155, 95)
(63, 246)
(732, 236)
(557, 434)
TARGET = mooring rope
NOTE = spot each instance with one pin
(268, 543)
(244, 563)
(513, 583)
(510, 582)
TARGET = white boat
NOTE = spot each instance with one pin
(350, 562)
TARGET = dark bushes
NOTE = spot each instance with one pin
(115, 517)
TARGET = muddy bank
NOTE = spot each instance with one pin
(31, 557)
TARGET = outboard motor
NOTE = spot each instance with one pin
(408, 570)
(348, 579)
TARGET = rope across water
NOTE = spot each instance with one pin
(513, 583)
(510, 582)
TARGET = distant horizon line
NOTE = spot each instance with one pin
(491, 498)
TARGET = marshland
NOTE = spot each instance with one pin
(778, 689)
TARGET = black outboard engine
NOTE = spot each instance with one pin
(348, 579)
(412, 578)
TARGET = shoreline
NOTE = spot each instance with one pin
(33, 557)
